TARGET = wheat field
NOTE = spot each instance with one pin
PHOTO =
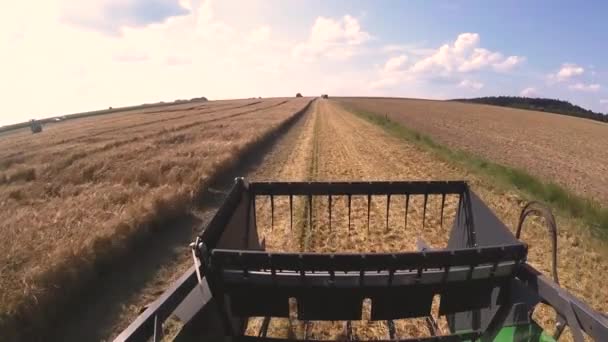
(75, 194)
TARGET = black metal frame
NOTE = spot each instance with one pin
(482, 276)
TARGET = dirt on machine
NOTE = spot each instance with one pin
(486, 288)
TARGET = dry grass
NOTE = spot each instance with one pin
(567, 150)
(74, 196)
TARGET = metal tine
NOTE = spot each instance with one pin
(391, 329)
(426, 197)
(310, 222)
(388, 208)
(329, 202)
(248, 214)
(290, 212)
(264, 328)
(349, 331)
(158, 329)
(442, 207)
(407, 205)
(432, 325)
(349, 202)
(271, 212)
(255, 217)
(369, 204)
(307, 329)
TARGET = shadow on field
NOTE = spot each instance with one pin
(100, 305)
(94, 314)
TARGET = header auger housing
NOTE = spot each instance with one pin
(487, 290)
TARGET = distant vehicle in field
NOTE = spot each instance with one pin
(35, 126)
(298, 95)
(324, 96)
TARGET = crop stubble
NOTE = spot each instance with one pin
(332, 144)
(349, 148)
(73, 194)
(567, 150)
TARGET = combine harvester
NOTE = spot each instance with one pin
(487, 289)
(35, 126)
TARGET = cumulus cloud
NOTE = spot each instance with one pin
(178, 60)
(566, 72)
(392, 48)
(131, 57)
(110, 16)
(333, 38)
(203, 53)
(446, 63)
(509, 63)
(569, 70)
(395, 63)
(465, 55)
(470, 84)
(529, 92)
(259, 34)
(585, 87)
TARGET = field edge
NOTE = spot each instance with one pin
(589, 211)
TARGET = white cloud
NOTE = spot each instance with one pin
(465, 55)
(260, 34)
(391, 48)
(603, 101)
(67, 68)
(447, 62)
(333, 38)
(470, 84)
(385, 82)
(566, 72)
(529, 92)
(111, 16)
(569, 70)
(395, 63)
(178, 60)
(585, 87)
(411, 49)
(509, 63)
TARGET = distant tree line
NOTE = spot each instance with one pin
(540, 104)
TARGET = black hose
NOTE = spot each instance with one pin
(539, 209)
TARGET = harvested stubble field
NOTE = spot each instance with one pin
(567, 150)
(73, 196)
(331, 143)
(342, 146)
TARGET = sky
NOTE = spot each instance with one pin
(65, 56)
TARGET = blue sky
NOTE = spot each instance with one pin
(73, 56)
